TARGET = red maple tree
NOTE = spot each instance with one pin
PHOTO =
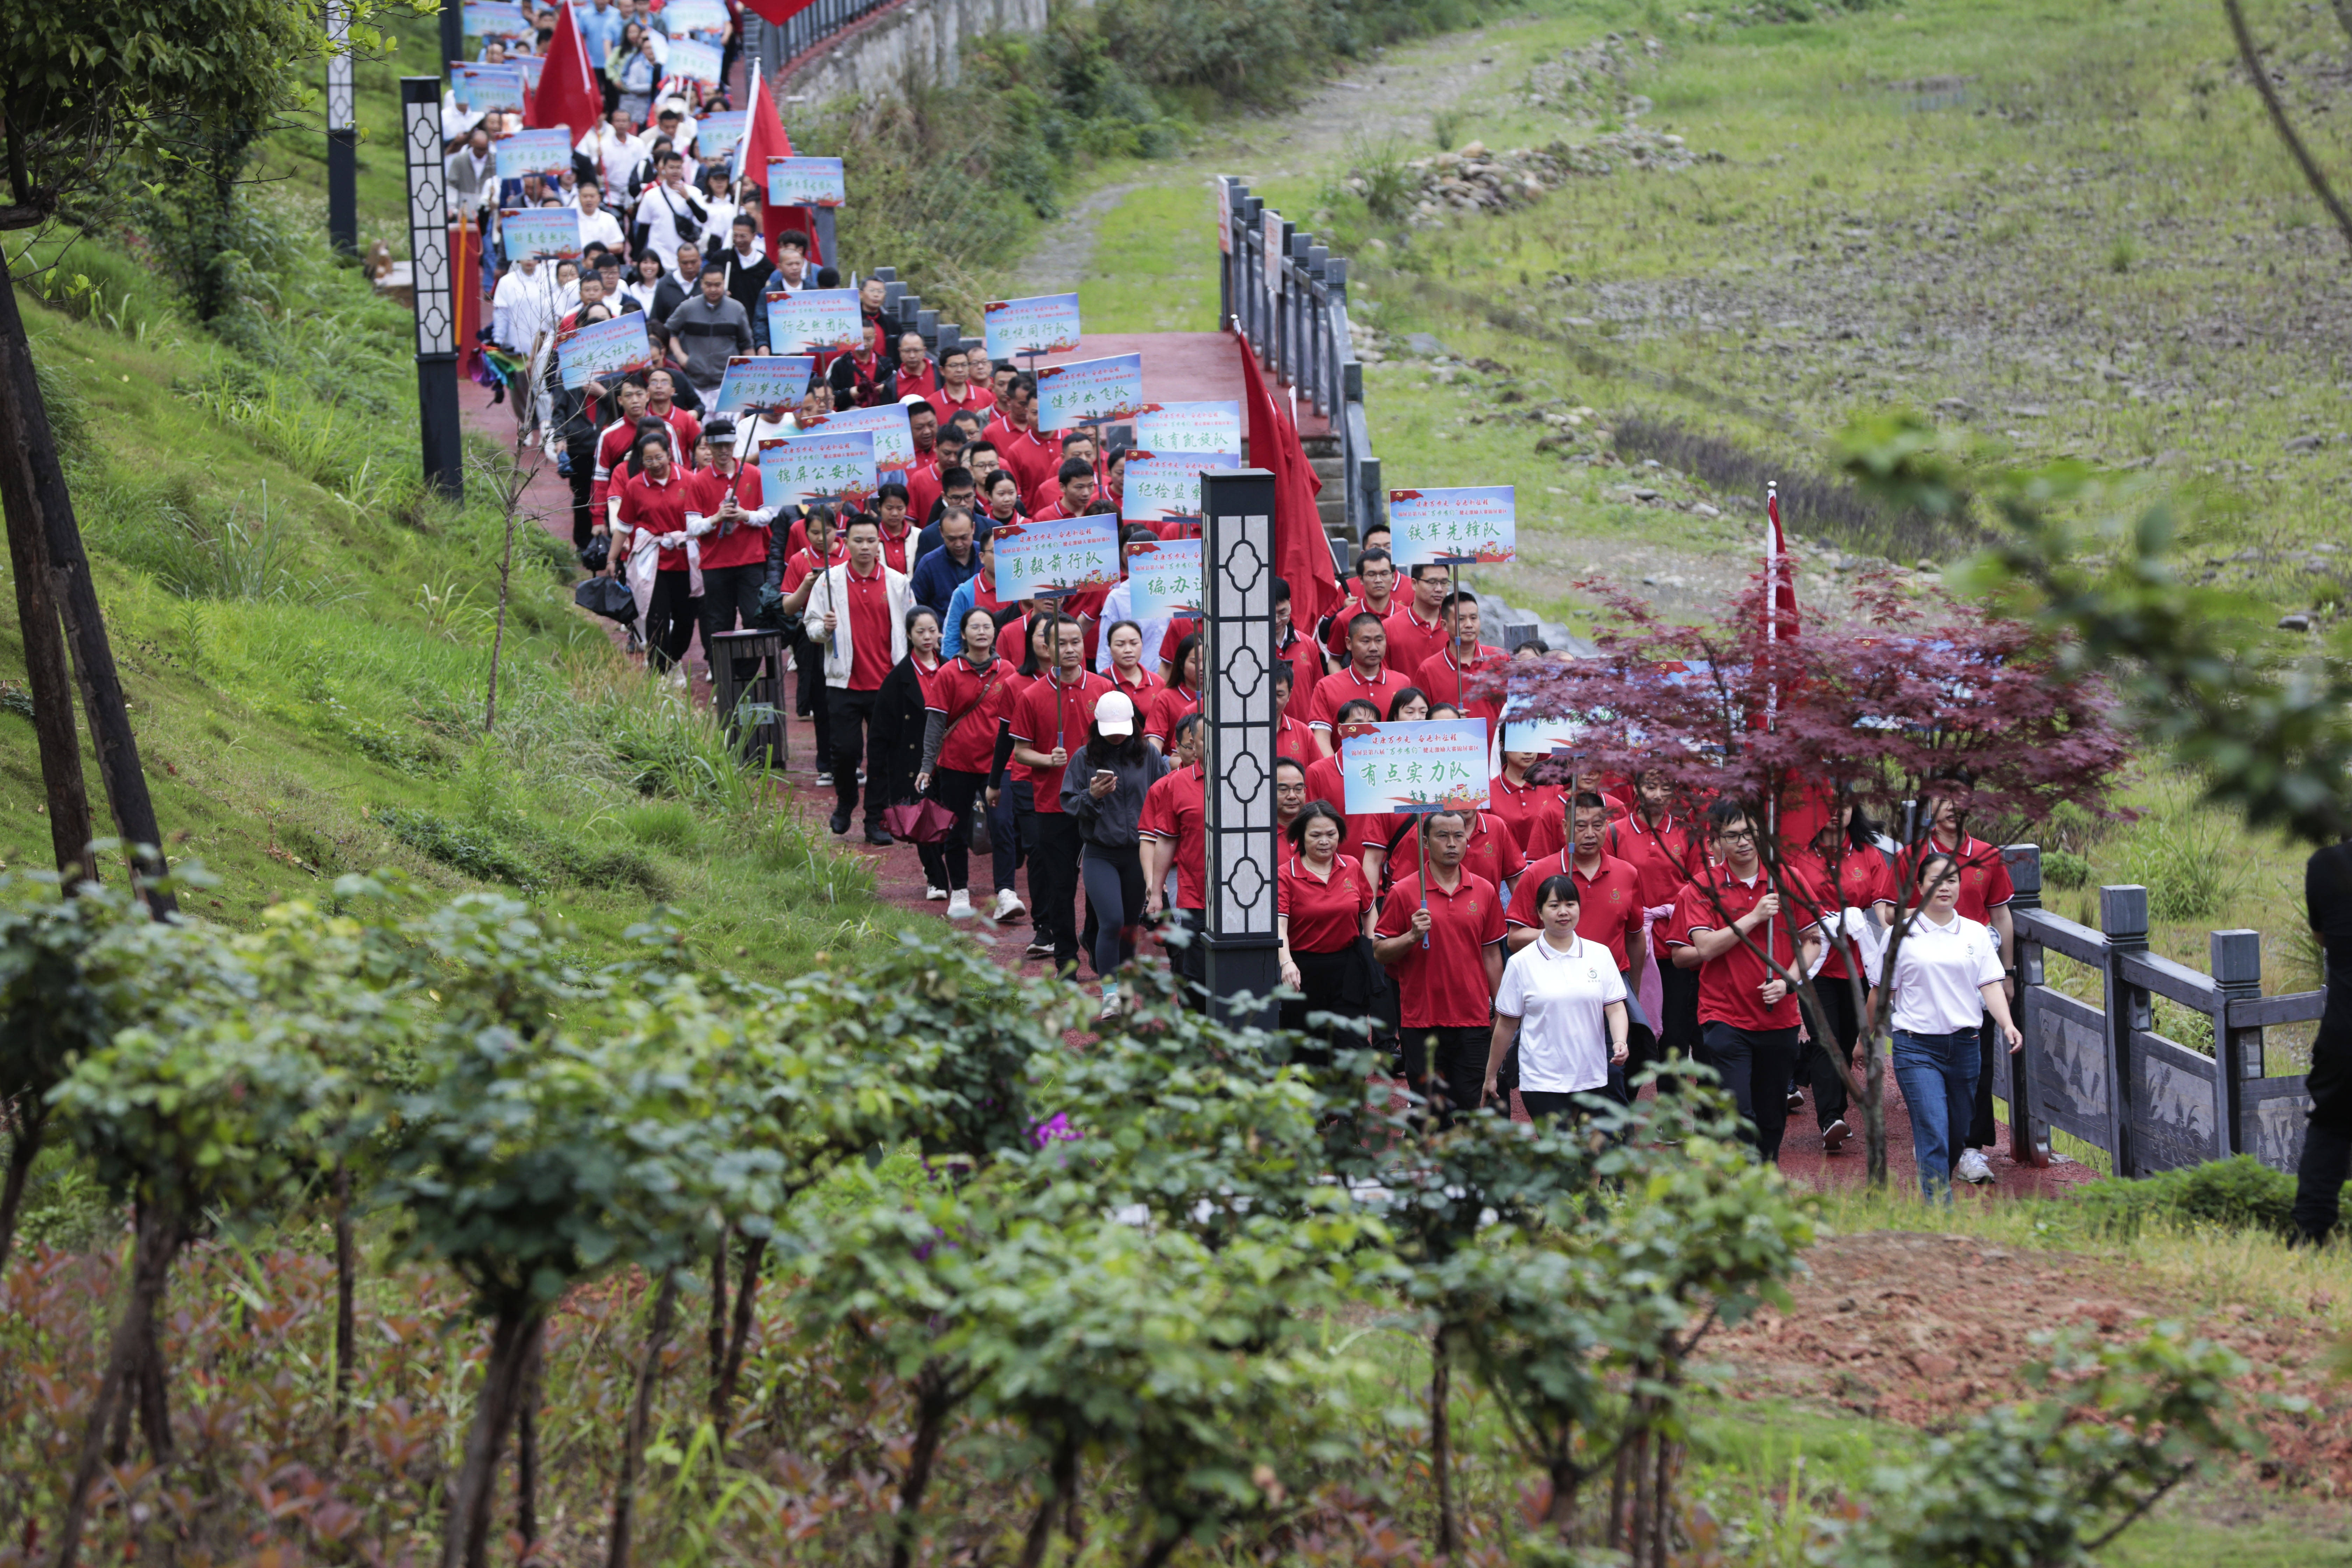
(1884, 711)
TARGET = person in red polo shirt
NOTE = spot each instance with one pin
(1416, 628)
(1173, 834)
(1844, 863)
(956, 391)
(911, 375)
(1049, 723)
(890, 504)
(1291, 736)
(654, 503)
(1447, 988)
(1074, 446)
(661, 388)
(1518, 800)
(613, 445)
(924, 484)
(1608, 898)
(735, 549)
(1303, 656)
(969, 697)
(1180, 696)
(1325, 783)
(1448, 675)
(1372, 592)
(1069, 497)
(1726, 922)
(1985, 895)
(1392, 849)
(1367, 676)
(1666, 854)
(860, 608)
(1325, 904)
(1014, 433)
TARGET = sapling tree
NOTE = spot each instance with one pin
(1798, 722)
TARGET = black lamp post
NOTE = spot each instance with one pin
(342, 135)
(431, 268)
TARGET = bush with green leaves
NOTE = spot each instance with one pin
(2240, 1192)
(2052, 1481)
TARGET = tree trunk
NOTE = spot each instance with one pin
(346, 1309)
(49, 681)
(1561, 1515)
(527, 1449)
(716, 1334)
(933, 1400)
(32, 1118)
(466, 1543)
(158, 1237)
(1060, 1485)
(1440, 1443)
(32, 492)
(738, 1338)
(633, 1449)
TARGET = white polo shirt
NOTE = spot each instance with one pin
(1937, 972)
(1558, 997)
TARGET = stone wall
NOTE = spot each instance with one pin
(920, 40)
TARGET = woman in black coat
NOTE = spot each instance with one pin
(899, 715)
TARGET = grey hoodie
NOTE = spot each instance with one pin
(1111, 821)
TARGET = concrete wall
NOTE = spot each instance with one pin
(920, 40)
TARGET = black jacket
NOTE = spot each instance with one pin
(898, 733)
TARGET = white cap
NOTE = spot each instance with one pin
(1114, 715)
(911, 399)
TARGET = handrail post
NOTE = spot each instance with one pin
(2237, 960)
(2029, 1136)
(2122, 915)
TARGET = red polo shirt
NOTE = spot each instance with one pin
(1492, 852)
(868, 601)
(1335, 635)
(1729, 985)
(1447, 680)
(1039, 724)
(1169, 704)
(1412, 641)
(1306, 662)
(971, 700)
(1326, 914)
(1031, 461)
(895, 545)
(658, 509)
(923, 488)
(975, 397)
(1609, 902)
(1174, 810)
(1665, 856)
(1443, 986)
(1333, 690)
(746, 546)
(611, 461)
(1984, 876)
(1862, 879)
(1547, 831)
(804, 565)
(1325, 783)
(1292, 739)
(1144, 688)
(1520, 805)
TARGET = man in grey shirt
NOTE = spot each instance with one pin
(706, 330)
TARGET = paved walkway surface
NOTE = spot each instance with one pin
(898, 879)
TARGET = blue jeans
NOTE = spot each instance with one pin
(1938, 1075)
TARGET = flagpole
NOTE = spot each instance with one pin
(1771, 671)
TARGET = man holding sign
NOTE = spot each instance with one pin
(1441, 935)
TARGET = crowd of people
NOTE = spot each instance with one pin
(1553, 943)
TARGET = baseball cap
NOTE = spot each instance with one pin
(1114, 715)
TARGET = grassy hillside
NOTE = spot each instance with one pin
(305, 637)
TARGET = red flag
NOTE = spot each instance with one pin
(764, 138)
(1302, 552)
(466, 293)
(568, 95)
(778, 12)
(1780, 610)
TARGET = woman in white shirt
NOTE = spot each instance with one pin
(1946, 976)
(1564, 999)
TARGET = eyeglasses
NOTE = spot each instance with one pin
(1737, 836)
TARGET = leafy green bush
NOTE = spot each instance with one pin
(2062, 868)
(2237, 1193)
(2187, 857)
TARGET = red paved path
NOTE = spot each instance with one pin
(899, 877)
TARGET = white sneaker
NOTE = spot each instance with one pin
(959, 904)
(824, 781)
(1834, 1136)
(1008, 905)
(1972, 1168)
(1109, 1010)
(933, 895)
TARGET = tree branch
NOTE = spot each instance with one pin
(2311, 172)
(2153, 1497)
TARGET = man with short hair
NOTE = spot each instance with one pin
(748, 272)
(957, 493)
(1076, 446)
(1290, 792)
(911, 374)
(612, 449)
(1077, 482)
(597, 227)
(614, 148)
(1014, 434)
(860, 608)
(1726, 924)
(1441, 936)
(792, 262)
(661, 403)
(923, 473)
(859, 377)
(1049, 725)
(1449, 675)
(707, 331)
(1371, 591)
(941, 572)
(669, 215)
(956, 391)
(1415, 632)
(471, 174)
(1367, 675)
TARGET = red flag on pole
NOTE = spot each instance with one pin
(764, 138)
(568, 95)
(1302, 552)
(778, 12)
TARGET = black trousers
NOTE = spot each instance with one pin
(2319, 1178)
(1755, 1065)
(1054, 844)
(729, 594)
(669, 620)
(853, 737)
(947, 863)
(1550, 1105)
(1447, 1066)
(583, 480)
(1981, 1132)
(1678, 1033)
(1113, 875)
(1830, 1098)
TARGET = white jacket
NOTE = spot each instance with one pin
(832, 594)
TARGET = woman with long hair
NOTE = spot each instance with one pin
(1323, 925)
(1408, 706)
(1180, 696)
(899, 720)
(1102, 791)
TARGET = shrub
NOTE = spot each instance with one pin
(2062, 868)
(2237, 1193)
(2187, 858)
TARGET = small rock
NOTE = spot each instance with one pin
(2297, 621)
(1426, 346)
(1927, 566)
(1703, 509)
(2029, 411)
(2306, 443)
